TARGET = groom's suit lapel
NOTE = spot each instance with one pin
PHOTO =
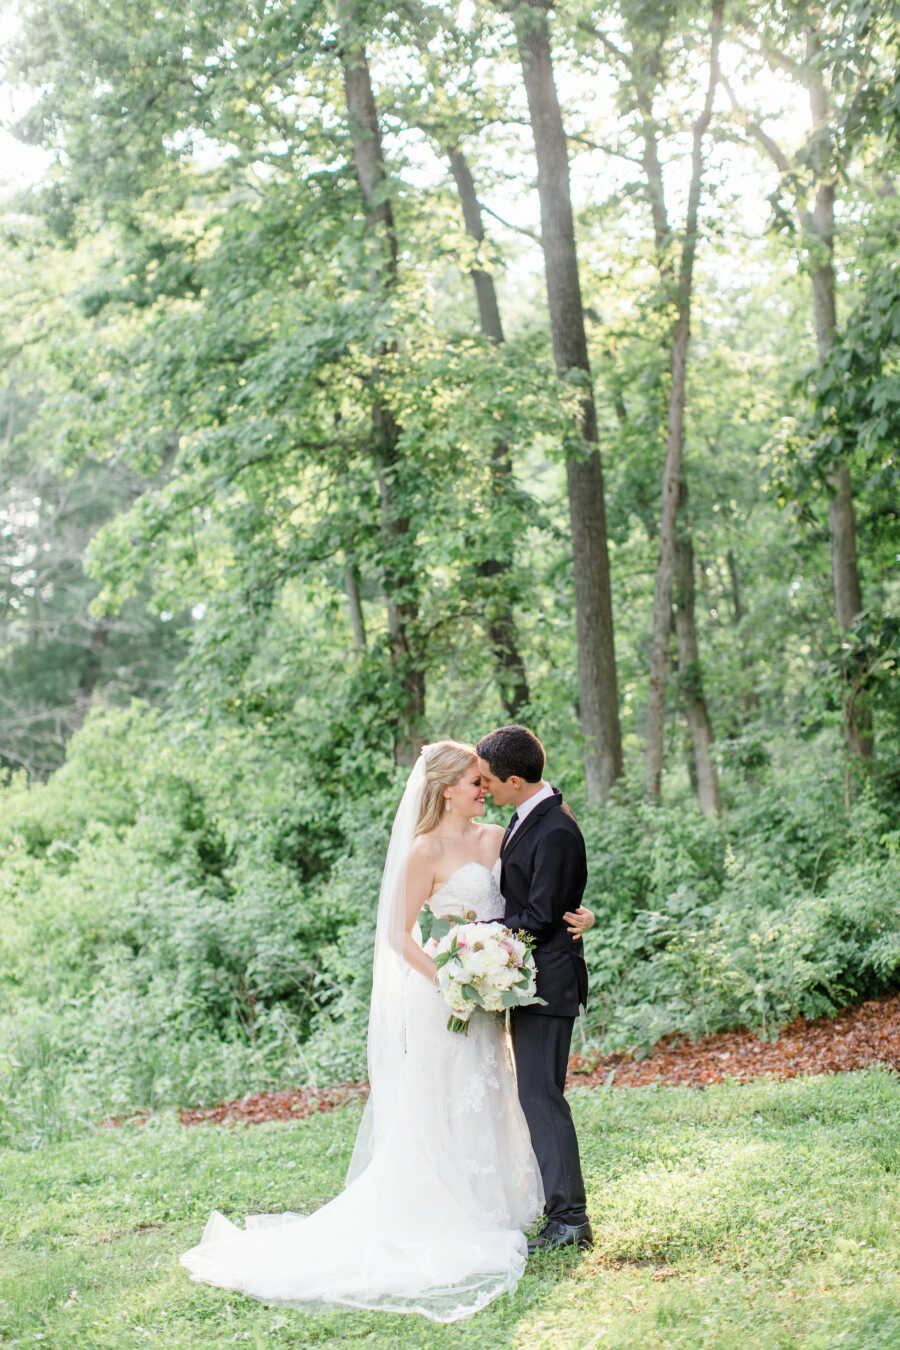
(511, 843)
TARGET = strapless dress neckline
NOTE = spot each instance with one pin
(472, 890)
(453, 875)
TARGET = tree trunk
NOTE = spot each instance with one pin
(400, 577)
(819, 224)
(598, 693)
(354, 605)
(502, 635)
(841, 520)
(690, 673)
(672, 471)
(485, 291)
(399, 570)
(750, 700)
(90, 675)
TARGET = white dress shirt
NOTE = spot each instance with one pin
(528, 805)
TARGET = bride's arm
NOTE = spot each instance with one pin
(579, 921)
(419, 879)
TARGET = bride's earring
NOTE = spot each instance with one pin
(447, 806)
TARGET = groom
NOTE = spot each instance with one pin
(543, 875)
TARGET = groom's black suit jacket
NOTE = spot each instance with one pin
(543, 874)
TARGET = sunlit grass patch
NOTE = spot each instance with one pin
(756, 1217)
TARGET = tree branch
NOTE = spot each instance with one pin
(606, 149)
(775, 57)
(769, 144)
(590, 31)
(520, 229)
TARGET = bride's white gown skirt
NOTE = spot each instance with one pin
(433, 1224)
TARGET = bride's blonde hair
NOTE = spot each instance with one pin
(445, 764)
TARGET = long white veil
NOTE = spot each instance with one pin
(386, 1048)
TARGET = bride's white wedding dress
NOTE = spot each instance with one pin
(433, 1222)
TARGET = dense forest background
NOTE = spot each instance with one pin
(372, 376)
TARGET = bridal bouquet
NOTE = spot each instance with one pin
(483, 965)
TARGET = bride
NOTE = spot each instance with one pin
(442, 1180)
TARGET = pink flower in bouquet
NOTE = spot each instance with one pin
(484, 966)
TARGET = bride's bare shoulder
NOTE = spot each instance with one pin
(425, 847)
(493, 834)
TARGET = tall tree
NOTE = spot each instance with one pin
(690, 670)
(671, 553)
(796, 44)
(399, 568)
(57, 655)
(501, 625)
(449, 59)
(639, 57)
(597, 680)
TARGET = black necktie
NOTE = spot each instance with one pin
(510, 827)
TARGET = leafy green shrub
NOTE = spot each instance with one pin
(168, 939)
(187, 913)
(100, 783)
(732, 931)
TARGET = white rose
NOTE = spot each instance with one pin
(477, 963)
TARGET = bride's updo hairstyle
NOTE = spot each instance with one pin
(445, 764)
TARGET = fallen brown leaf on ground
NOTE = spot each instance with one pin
(869, 1034)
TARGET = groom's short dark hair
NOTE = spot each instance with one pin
(513, 750)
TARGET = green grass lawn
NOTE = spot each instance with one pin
(742, 1218)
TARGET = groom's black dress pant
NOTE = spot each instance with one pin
(541, 1044)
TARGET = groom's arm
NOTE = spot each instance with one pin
(557, 880)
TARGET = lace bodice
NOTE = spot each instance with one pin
(472, 887)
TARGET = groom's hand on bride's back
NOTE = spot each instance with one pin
(578, 921)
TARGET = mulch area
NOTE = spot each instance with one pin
(292, 1104)
(869, 1034)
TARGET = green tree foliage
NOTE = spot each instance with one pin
(60, 485)
(204, 362)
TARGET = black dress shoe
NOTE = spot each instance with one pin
(556, 1234)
